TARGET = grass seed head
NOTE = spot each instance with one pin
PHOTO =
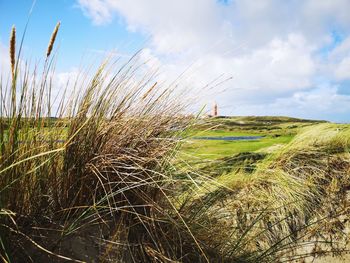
(13, 49)
(52, 39)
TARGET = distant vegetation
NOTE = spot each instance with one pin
(112, 173)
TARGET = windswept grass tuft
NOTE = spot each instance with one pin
(294, 205)
(92, 174)
(100, 159)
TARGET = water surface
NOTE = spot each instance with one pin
(228, 138)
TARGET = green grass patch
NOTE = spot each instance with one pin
(214, 149)
(220, 133)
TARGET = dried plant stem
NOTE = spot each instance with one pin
(52, 39)
(13, 49)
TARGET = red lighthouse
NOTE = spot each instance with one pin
(215, 110)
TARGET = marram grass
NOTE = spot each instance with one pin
(99, 170)
(13, 49)
(52, 39)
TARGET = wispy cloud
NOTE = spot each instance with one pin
(4, 58)
(98, 10)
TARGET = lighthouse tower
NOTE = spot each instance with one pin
(215, 110)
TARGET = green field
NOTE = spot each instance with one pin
(277, 131)
(213, 149)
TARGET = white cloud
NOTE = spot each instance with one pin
(342, 70)
(327, 13)
(98, 10)
(4, 59)
(279, 68)
(270, 47)
(321, 103)
(173, 25)
(340, 60)
(324, 99)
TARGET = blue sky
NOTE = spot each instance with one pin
(77, 36)
(285, 57)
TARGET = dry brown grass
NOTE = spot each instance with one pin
(13, 49)
(52, 39)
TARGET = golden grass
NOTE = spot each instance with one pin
(13, 49)
(52, 39)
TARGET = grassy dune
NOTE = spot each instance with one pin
(112, 174)
(291, 203)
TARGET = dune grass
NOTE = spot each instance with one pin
(95, 175)
(293, 205)
(103, 160)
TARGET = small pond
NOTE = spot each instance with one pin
(228, 138)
